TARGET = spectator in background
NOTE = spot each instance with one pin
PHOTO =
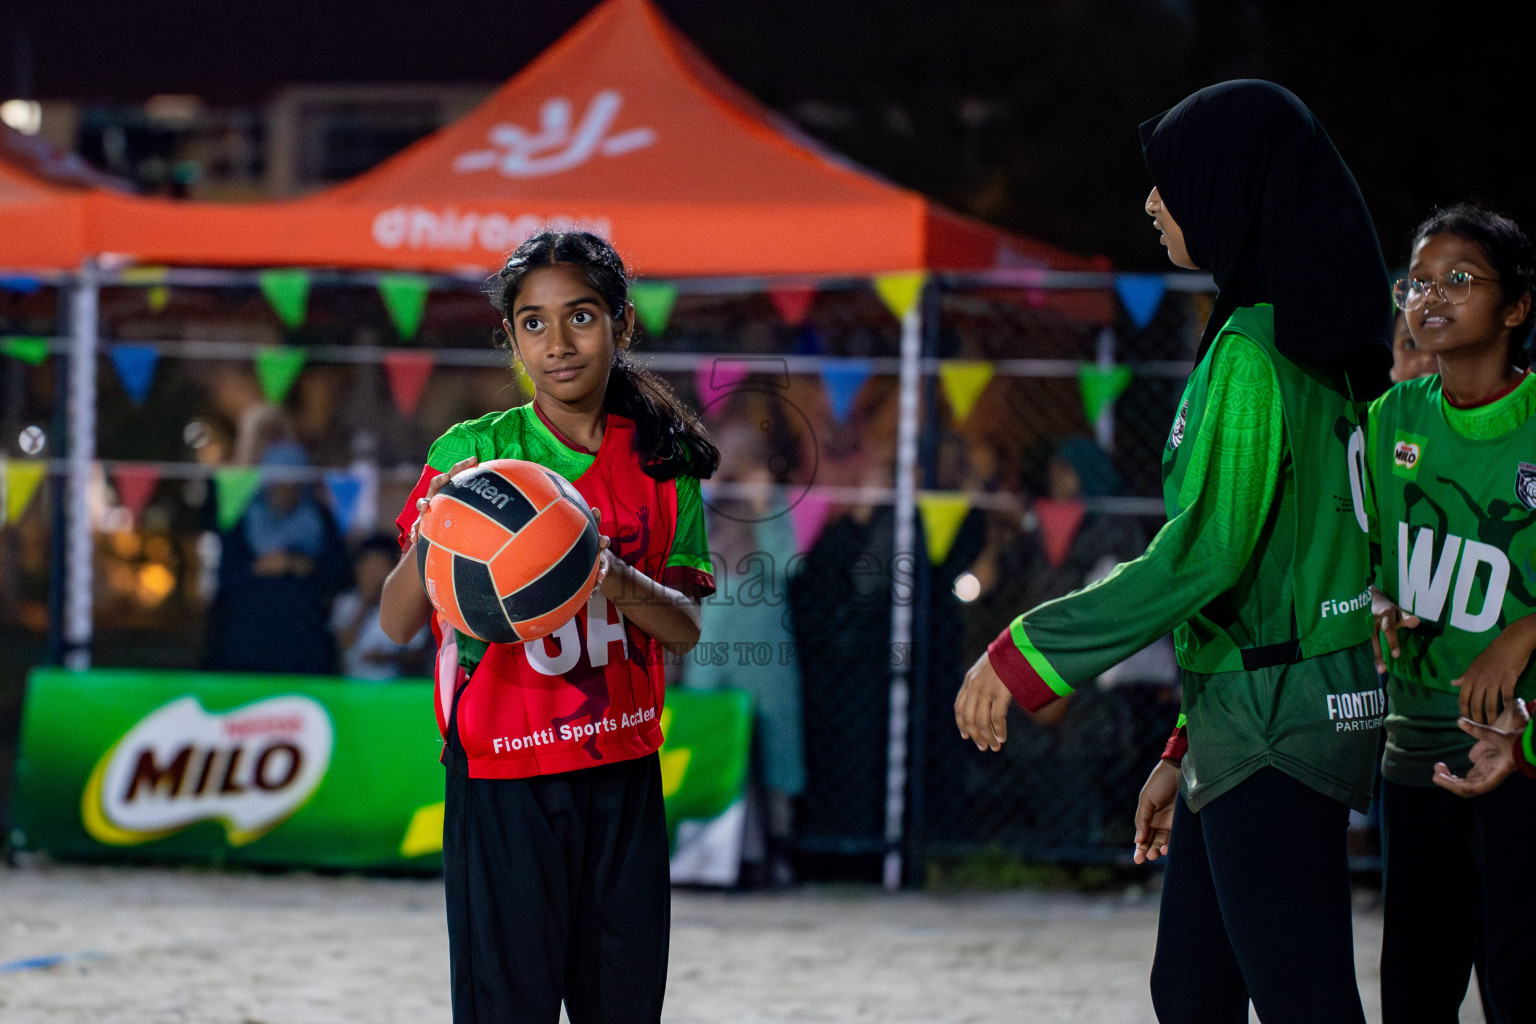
(366, 651)
(282, 564)
(753, 541)
(1408, 360)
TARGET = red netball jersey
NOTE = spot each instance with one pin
(592, 691)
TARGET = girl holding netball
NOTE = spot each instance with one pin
(555, 851)
(1262, 570)
(1451, 468)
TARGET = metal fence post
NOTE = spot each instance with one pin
(902, 554)
(79, 549)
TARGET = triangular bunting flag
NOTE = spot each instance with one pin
(719, 378)
(1059, 521)
(157, 296)
(277, 368)
(135, 366)
(135, 486)
(809, 516)
(1101, 385)
(963, 381)
(19, 283)
(899, 292)
(793, 302)
(30, 350)
(344, 489)
(287, 291)
(1140, 294)
(142, 275)
(943, 512)
(405, 297)
(653, 303)
(22, 477)
(843, 379)
(234, 487)
(407, 372)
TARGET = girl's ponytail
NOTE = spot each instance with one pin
(670, 439)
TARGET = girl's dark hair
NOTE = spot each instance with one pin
(1507, 249)
(669, 437)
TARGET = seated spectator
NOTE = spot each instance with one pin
(282, 564)
(366, 652)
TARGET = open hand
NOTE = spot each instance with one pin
(434, 485)
(1154, 812)
(981, 706)
(1493, 755)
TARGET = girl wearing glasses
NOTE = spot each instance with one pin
(1451, 467)
(1261, 571)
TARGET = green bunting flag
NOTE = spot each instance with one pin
(277, 368)
(405, 297)
(653, 303)
(30, 350)
(1101, 385)
(942, 512)
(288, 293)
(899, 292)
(143, 275)
(234, 487)
(964, 380)
(157, 296)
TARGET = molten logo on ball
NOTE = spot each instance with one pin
(508, 551)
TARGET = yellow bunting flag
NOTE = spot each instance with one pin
(943, 512)
(899, 292)
(22, 477)
(424, 834)
(157, 296)
(964, 380)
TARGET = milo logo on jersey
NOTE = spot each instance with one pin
(1425, 577)
(250, 768)
(1407, 453)
(1354, 712)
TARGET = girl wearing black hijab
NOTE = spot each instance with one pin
(1262, 571)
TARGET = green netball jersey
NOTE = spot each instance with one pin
(1454, 508)
(1262, 572)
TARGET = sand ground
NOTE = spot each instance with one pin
(152, 946)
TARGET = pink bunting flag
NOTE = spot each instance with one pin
(135, 486)
(1059, 521)
(408, 372)
(718, 378)
(793, 302)
(809, 516)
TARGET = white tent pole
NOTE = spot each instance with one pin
(903, 561)
(1104, 429)
(79, 550)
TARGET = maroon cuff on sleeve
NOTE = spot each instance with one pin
(682, 575)
(1178, 745)
(1031, 691)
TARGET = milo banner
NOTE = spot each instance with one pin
(302, 771)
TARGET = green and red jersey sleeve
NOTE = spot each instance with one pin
(688, 565)
(1216, 520)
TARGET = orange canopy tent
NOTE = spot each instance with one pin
(621, 126)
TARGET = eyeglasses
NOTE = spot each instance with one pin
(1454, 286)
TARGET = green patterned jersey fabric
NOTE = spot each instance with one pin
(1453, 501)
(1261, 573)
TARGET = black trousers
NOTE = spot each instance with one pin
(558, 889)
(1256, 906)
(1458, 877)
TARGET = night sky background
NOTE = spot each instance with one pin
(1022, 113)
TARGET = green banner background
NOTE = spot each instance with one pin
(383, 773)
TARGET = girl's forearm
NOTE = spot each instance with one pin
(403, 607)
(669, 615)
